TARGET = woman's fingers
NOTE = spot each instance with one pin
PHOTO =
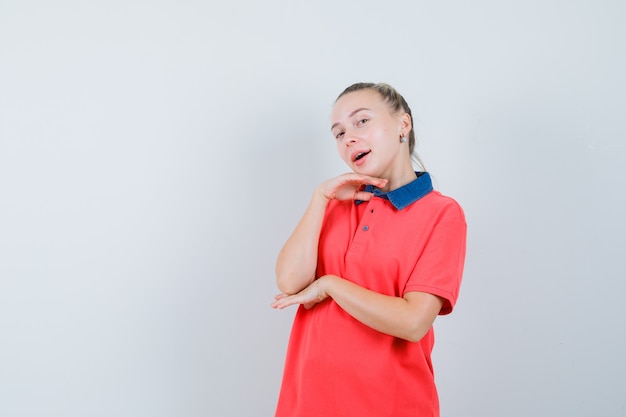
(284, 302)
(363, 196)
(348, 186)
(307, 297)
(359, 179)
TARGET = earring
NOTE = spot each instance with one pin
(403, 139)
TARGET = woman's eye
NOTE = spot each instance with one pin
(339, 135)
(362, 121)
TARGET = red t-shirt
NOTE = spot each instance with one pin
(338, 367)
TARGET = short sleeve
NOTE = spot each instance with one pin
(439, 267)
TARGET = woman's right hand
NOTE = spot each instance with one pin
(349, 187)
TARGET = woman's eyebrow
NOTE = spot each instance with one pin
(350, 115)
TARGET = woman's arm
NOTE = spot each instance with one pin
(297, 260)
(408, 317)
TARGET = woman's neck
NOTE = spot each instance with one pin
(402, 177)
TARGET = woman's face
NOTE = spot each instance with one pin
(368, 134)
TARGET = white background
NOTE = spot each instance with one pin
(154, 156)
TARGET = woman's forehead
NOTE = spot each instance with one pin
(351, 102)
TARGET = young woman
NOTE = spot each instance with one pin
(377, 255)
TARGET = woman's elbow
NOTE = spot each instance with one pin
(422, 312)
(284, 287)
(415, 331)
(288, 284)
(415, 336)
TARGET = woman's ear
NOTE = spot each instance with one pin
(406, 123)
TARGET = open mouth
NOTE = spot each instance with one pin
(361, 155)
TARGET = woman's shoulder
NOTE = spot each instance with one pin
(439, 202)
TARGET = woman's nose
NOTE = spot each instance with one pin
(349, 139)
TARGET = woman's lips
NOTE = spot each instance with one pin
(359, 157)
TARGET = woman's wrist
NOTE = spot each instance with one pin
(324, 286)
(320, 196)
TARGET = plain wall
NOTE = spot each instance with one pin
(155, 155)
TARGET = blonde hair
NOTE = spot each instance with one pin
(396, 102)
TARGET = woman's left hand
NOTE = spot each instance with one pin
(308, 297)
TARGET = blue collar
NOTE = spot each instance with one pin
(405, 195)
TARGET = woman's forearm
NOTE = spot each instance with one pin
(408, 317)
(297, 260)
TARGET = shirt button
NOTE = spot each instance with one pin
(366, 228)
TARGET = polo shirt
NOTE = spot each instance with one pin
(409, 239)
